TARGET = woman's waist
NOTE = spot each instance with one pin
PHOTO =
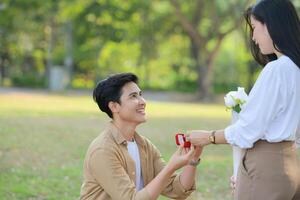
(264, 145)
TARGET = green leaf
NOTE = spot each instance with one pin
(237, 108)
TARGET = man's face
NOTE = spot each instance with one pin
(132, 104)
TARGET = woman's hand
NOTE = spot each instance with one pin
(232, 184)
(199, 137)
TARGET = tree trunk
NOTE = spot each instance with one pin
(204, 72)
(69, 52)
(202, 82)
(51, 41)
(4, 62)
(1, 72)
(201, 70)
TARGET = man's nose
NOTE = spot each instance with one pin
(142, 100)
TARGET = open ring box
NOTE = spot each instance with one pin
(181, 139)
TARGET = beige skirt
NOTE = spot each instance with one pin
(269, 171)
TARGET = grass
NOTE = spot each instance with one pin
(44, 137)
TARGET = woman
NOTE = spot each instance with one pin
(269, 124)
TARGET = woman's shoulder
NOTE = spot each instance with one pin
(283, 63)
(283, 66)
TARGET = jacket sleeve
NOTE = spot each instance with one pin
(109, 173)
(174, 188)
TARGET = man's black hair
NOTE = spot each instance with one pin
(110, 89)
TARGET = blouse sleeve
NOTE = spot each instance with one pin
(266, 100)
(298, 136)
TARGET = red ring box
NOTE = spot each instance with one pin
(180, 138)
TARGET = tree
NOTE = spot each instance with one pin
(206, 23)
(5, 28)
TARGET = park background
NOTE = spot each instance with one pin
(187, 54)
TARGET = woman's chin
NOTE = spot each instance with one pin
(266, 52)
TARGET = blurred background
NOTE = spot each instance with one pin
(187, 54)
(191, 46)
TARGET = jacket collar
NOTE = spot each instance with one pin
(119, 138)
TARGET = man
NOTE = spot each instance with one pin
(121, 164)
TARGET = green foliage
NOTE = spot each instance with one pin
(118, 57)
(231, 69)
(82, 82)
(28, 80)
(114, 36)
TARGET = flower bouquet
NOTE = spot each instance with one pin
(234, 101)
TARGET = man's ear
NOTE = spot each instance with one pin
(114, 107)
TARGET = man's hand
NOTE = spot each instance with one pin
(198, 152)
(181, 157)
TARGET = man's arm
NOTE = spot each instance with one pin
(187, 177)
(110, 174)
(179, 186)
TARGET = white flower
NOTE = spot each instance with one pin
(236, 99)
(241, 94)
(230, 99)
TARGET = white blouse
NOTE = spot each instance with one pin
(272, 112)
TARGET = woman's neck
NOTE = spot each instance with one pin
(278, 54)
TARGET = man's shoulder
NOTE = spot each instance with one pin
(142, 140)
(148, 144)
(102, 142)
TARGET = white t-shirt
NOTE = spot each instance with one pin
(133, 151)
(272, 112)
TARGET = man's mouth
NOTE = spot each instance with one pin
(141, 110)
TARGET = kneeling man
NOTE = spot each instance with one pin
(121, 164)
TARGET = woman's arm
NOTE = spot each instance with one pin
(203, 137)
